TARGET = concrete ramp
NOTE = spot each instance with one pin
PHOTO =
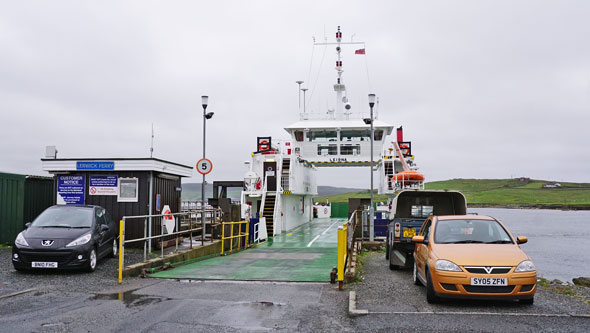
(304, 254)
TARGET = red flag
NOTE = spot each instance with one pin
(359, 51)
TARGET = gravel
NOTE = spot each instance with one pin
(392, 293)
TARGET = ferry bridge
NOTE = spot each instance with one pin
(304, 254)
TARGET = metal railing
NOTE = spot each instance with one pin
(231, 237)
(189, 218)
(346, 244)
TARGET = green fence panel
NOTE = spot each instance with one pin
(339, 209)
(12, 192)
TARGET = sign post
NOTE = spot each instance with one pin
(204, 166)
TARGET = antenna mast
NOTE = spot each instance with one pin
(339, 87)
(152, 146)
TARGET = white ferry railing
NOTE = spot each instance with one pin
(334, 116)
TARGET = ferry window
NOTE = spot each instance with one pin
(299, 136)
(322, 136)
(127, 190)
(327, 150)
(355, 135)
(377, 135)
(350, 150)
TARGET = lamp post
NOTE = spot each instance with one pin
(204, 102)
(304, 90)
(371, 221)
(299, 83)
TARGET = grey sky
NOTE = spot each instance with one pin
(484, 89)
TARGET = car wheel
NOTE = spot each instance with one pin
(391, 265)
(527, 301)
(92, 259)
(415, 275)
(18, 268)
(430, 295)
(115, 249)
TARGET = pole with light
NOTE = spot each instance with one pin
(304, 90)
(299, 83)
(371, 213)
(206, 115)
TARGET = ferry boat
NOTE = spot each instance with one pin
(281, 180)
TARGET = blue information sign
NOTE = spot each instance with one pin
(70, 190)
(95, 165)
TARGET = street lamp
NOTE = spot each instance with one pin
(304, 90)
(299, 83)
(371, 221)
(206, 115)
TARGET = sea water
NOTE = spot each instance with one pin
(559, 241)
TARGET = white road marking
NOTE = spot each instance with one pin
(323, 233)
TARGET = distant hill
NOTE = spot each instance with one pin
(192, 191)
(517, 192)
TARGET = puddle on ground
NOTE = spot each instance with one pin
(130, 299)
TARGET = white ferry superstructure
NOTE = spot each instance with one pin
(281, 181)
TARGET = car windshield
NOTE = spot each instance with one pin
(470, 231)
(65, 217)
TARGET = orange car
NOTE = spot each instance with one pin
(470, 256)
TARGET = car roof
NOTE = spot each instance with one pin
(79, 206)
(465, 217)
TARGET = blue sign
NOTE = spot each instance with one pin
(95, 165)
(70, 190)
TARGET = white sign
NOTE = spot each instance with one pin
(103, 185)
(204, 166)
(168, 220)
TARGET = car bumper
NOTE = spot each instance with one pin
(66, 258)
(458, 285)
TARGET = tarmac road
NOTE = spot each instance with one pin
(154, 305)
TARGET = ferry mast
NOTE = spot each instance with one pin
(339, 87)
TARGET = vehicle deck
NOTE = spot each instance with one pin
(305, 254)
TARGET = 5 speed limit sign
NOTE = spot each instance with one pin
(204, 166)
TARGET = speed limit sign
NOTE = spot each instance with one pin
(204, 166)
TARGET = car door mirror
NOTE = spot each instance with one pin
(521, 240)
(104, 227)
(28, 224)
(418, 239)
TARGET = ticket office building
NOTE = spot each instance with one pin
(123, 186)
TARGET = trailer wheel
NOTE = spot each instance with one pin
(387, 246)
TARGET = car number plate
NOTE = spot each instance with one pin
(489, 281)
(409, 232)
(44, 264)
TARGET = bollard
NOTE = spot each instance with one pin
(341, 255)
(121, 240)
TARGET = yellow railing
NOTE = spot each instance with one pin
(342, 251)
(232, 236)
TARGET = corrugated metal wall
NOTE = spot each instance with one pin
(39, 194)
(22, 198)
(12, 192)
(133, 229)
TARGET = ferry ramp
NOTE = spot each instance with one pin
(304, 254)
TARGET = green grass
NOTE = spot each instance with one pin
(501, 192)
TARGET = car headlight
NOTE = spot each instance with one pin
(445, 265)
(525, 266)
(20, 240)
(80, 240)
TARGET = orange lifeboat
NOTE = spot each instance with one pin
(408, 177)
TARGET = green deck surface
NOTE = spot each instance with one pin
(287, 257)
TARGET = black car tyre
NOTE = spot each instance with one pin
(430, 295)
(391, 265)
(92, 260)
(415, 275)
(115, 249)
(527, 301)
(19, 269)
